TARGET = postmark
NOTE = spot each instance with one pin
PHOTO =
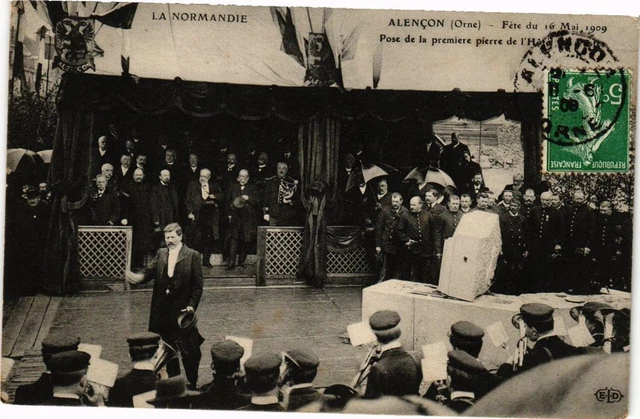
(586, 121)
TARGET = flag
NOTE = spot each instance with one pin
(120, 16)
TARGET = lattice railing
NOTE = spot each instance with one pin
(104, 252)
(279, 255)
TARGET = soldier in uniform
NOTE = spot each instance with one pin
(262, 373)
(545, 235)
(420, 233)
(301, 367)
(223, 393)
(529, 201)
(580, 224)
(451, 217)
(510, 270)
(387, 241)
(40, 391)
(143, 349)
(431, 199)
(611, 244)
(465, 203)
(397, 372)
(69, 379)
(543, 345)
(468, 380)
(281, 197)
(172, 393)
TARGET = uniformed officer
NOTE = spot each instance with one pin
(222, 393)
(611, 244)
(593, 316)
(545, 235)
(397, 372)
(262, 373)
(301, 367)
(69, 378)
(580, 224)
(510, 268)
(543, 345)
(467, 380)
(40, 391)
(280, 199)
(451, 218)
(466, 336)
(143, 349)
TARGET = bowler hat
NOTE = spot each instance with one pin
(239, 202)
(187, 320)
(172, 388)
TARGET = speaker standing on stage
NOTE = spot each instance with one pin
(177, 271)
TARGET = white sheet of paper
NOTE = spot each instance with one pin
(559, 326)
(93, 350)
(102, 372)
(434, 361)
(580, 335)
(247, 345)
(360, 334)
(140, 400)
(497, 334)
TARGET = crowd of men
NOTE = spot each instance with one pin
(285, 381)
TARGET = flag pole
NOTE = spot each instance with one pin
(15, 49)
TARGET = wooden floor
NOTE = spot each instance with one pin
(276, 319)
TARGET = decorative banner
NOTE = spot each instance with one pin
(75, 45)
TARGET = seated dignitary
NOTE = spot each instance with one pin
(222, 393)
(396, 373)
(301, 367)
(262, 374)
(539, 343)
(143, 349)
(467, 380)
(104, 204)
(69, 379)
(40, 391)
(172, 393)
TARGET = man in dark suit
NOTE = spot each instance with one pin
(516, 186)
(580, 224)
(397, 372)
(143, 349)
(387, 241)
(465, 171)
(124, 172)
(137, 213)
(420, 235)
(545, 241)
(453, 154)
(104, 204)
(432, 204)
(262, 373)
(475, 187)
(203, 203)
(177, 289)
(40, 391)
(164, 201)
(281, 198)
(301, 367)
(176, 169)
(243, 204)
(228, 174)
(104, 154)
(223, 392)
(432, 153)
(192, 171)
(510, 269)
(383, 196)
(262, 171)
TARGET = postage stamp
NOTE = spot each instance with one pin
(586, 121)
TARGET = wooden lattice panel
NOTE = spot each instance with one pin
(354, 262)
(104, 252)
(282, 253)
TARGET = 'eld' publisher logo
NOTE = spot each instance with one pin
(609, 395)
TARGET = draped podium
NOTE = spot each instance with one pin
(319, 113)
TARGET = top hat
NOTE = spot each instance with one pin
(239, 202)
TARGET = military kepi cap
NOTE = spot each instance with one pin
(462, 361)
(69, 361)
(226, 351)
(467, 331)
(264, 364)
(58, 342)
(143, 339)
(384, 320)
(303, 358)
(533, 313)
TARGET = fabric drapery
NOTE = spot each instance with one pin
(319, 142)
(343, 239)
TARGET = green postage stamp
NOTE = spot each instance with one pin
(586, 121)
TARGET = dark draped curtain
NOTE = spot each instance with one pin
(319, 112)
(69, 177)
